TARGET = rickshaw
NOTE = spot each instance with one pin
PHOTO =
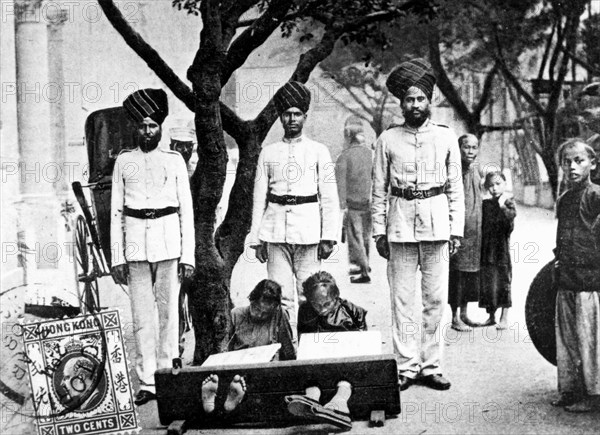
(107, 132)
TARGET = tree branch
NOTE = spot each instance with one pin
(147, 53)
(595, 70)
(557, 47)
(443, 81)
(486, 92)
(490, 128)
(354, 95)
(254, 36)
(571, 30)
(546, 52)
(510, 77)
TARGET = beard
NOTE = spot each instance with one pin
(416, 117)
(148, 144)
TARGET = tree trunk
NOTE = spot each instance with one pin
(549, 152)
(209, 299)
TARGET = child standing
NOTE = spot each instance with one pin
(498, 214)
(578, 279)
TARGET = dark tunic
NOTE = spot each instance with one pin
(578, 239)
(344, 317)
(463, 285)
(246, 333)
(496, 268)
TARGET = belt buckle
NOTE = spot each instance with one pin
(150, 214)
(412, 194)
(290, 200)
(418, 194)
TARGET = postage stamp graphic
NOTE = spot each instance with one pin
(79, 375)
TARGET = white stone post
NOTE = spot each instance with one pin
(39, 205)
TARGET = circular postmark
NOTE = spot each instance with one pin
(51, 367)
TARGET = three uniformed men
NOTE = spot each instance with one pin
(152, 236)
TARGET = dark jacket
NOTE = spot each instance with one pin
(578, 239)
(344, 317)
(497, 225)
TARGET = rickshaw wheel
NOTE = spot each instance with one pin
(87, 275)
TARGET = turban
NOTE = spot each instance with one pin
(147, 103)
(415, 72)
(292, 94)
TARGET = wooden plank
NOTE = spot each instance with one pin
(374, 380)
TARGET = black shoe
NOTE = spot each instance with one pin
(437, 382)
(404, 382)
(143, 397)
(363, 279)
(566, 399)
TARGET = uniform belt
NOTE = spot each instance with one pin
(410, 194)
(149, 213)
(291, 200)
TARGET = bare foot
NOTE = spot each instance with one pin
(468, 322)
(339, 402)
(489, 322)
(209, 392)
(459, 325)
(237, 390)
(502, 325)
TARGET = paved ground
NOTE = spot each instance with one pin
(500, 383)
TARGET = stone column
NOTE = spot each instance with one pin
(39, 205)
(56, 96)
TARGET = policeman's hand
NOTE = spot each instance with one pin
(262, 253)
(185, 271)
(325, 249)
(383, 247)
(454, 244)
(120, 274)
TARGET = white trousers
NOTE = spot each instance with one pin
(288, 263)
(578, 342)
(417, 339)
(154, 294)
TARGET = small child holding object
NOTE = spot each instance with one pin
(498, 214)
(578, 280)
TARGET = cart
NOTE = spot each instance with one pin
(107, 133)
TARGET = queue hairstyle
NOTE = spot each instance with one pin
(465, 136)
(571, 143)
(268, 290)
(353, 127)
(490, 176)
(318, 280)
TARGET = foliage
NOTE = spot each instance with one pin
(590, 37)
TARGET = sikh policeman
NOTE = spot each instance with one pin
(295, 214)
(418, 164)
(152, 236)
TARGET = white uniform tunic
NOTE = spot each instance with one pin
(153, 180)
(298, 167)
